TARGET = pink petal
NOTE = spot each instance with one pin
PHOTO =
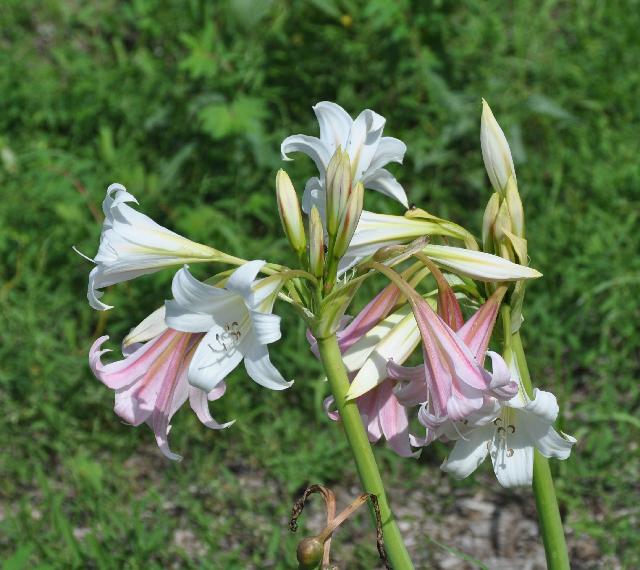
(476, 332)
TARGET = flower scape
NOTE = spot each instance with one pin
(435, 355)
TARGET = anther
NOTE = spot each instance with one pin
(512, 428)
(510, 452)
(497, 421)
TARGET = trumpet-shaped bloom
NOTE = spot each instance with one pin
(132, 244)
(151, 383)
(519, 426)
(362, 138)
(238, 323)
(453, 383)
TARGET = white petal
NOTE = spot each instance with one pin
(468, 454)
(544, 405)
(195, 296)
(383, 181)
(311, 146)
(314, 196)
(363, 141)
(200, 405)
(242, 278)
(266, 327)
(335, 124)
(149, 328)
(181, 319)
(93, 295)
(389, 150)
(212, 362)
(552, 444)
(513, 458)
(261, 370)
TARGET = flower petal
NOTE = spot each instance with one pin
(389, 150)
(363, 141)
(394, 421)
(242, 279)
(478, 265)
(199, 402)
(266, 327)
(335, 124)
(468, 454)
(512, 459)
(383, 181)
(261, 370)
(213, 361)
(313, 147)
(149, 328)
(552, 444)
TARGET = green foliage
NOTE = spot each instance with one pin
(186, 104)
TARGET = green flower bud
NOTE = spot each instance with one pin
(489, 221)
(290, 214)
(349, 221)
(316, 243)
(338, 183)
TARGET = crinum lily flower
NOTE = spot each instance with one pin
(362, 138)
(518, 426)
(151, 381)
(238, 323)
(132, 244)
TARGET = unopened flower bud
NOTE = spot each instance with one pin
(502, 223)
(349, 221)
(489, 221)
(338, 182)
(495, 151)
(309, 553)
(316, 243)
(290, 214)
(516, 212)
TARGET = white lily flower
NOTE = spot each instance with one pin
(132, 244)
(362, 138)
(521, 425)
(478, 265)
(238, 323)
(495, 151)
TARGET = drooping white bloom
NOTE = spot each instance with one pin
(362, 138)
(518, 426)
(495, 151)
(132, 244)
(238, 323)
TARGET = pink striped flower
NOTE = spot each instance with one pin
(151, 383)
(453, 384)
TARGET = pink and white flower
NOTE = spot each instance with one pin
(151, 383)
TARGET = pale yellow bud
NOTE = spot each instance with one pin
(495, 151)
(489, 220)
(516, 212)
(502, 223)
(338, 185)
(349, 221)
(316, 243)
(290, 214)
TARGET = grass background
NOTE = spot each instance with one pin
(186, 104)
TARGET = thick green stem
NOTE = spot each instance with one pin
(361, 450)
(555, 546)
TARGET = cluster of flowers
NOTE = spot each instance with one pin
(187, 348)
